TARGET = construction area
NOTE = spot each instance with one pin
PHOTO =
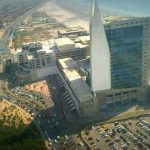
(38, 27)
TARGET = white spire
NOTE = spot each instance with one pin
(96, 15)
(100, 53)
(92, 7)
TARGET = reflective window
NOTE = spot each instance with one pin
(126, 56)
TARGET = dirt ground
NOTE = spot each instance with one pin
(13, 114)
(40, 87)
(1, 33)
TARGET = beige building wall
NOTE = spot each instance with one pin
(120, 96)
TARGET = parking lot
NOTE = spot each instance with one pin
(58, 132)
(133, 134)
(32, 102)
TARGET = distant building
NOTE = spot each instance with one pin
(72, 32)
(36, 60)
(65, 47)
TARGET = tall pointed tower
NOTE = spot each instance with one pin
(100, 53)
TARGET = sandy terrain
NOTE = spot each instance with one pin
(40, 86)
(1, 33)
(13, 114)
(65, 16)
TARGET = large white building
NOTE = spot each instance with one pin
(80, 93)
(37, 60)
(129, 48)
(119, 67)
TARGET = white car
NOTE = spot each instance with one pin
(66, 137)
(55, 141)
(49, 139)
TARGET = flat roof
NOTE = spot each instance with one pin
(45, 47)
(72, 29)
(78, 85)
(79, 45)
(30, 57)
(63, 41)
(108, 19)
(66, 63)
(18, 50)
(84, 38)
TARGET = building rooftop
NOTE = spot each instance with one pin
(79, 45)
(64, 44)
(84, 39)
(78, 85)
(39, 47)
(108, 19)
(66, 63)
(63, 41)
(72, 29)
(30, 57)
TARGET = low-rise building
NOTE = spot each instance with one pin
(35, 61)
(38, 59)
(65, 47)
(72, 32)
(82, 97)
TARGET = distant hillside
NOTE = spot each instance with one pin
(11, 9)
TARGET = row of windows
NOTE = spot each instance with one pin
(131, 23)
(126, 55)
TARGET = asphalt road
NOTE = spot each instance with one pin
(9, 30)
(58, 125)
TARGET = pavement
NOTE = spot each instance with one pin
(56, 125)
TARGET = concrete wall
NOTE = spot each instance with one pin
(37, 74)
(121, 95)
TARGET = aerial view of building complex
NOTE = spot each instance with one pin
(74, 75)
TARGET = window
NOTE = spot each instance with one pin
(43, 62)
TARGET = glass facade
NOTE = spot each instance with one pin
(126, 45)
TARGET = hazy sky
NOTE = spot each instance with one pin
(130, 7)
